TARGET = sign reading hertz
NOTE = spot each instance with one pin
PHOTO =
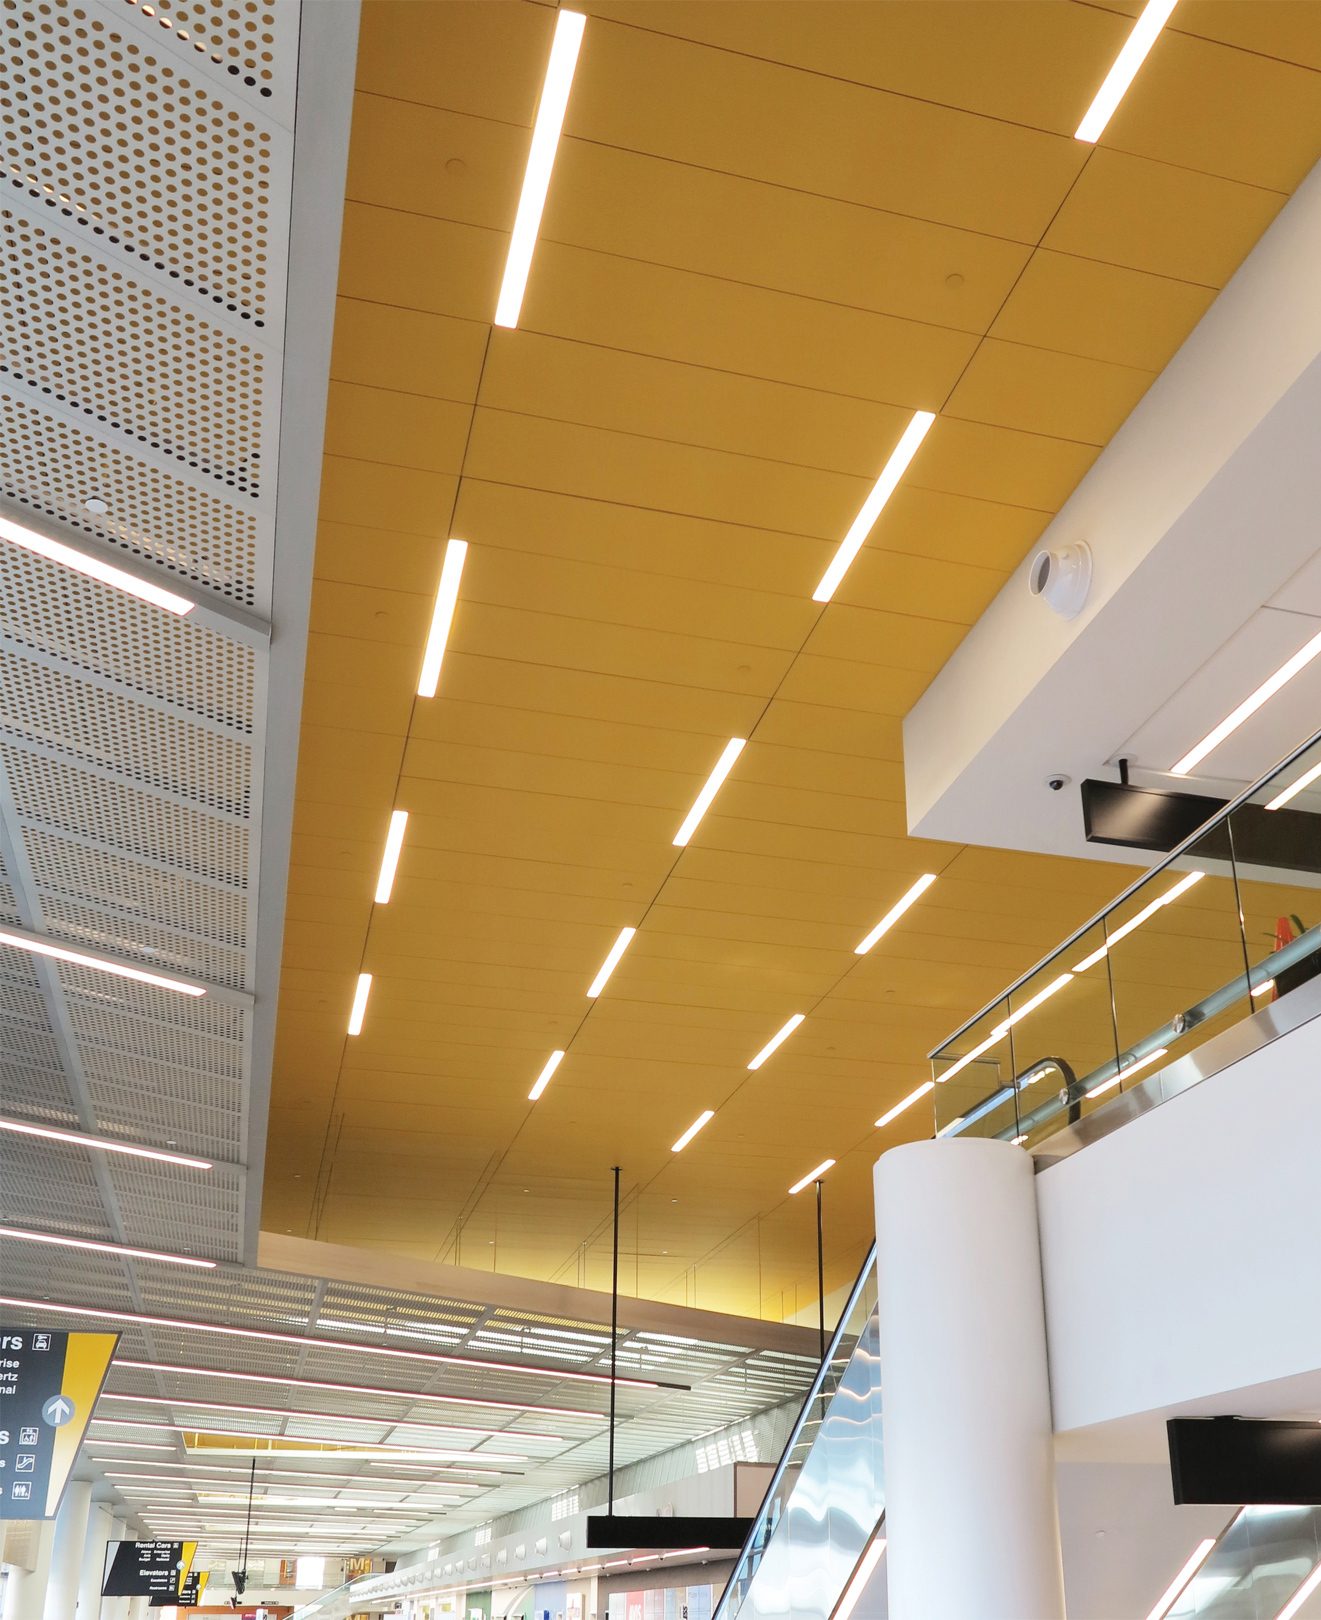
(49, 1383)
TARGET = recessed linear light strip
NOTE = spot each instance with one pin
(778, 1039)
(892, 916)
(1294, 788)
(702, 803)
(704, 1118)
(102, 964)
(881, 491)
(997, 1034)
(90, 567)
(206, 1472)
(172, 1402)
(908, 1101)
(406, 1395)
(540, 163)
(811, 1176)
(864, 1572)
(1174, 1591)
(353, 1448)
(358, 1011)
(307, 1342)
(394, 843)
(442, 617)
(1147, 912)
(104, 1144)
(1155, 14)
(1295, 1603)
(544, 1078)
(1249, 706)
(1129, 1068)
(122, 1249)
(616, 951)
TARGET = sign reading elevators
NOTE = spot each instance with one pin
(49, 1383)
(148, 1569)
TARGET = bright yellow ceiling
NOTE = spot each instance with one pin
(774, 230)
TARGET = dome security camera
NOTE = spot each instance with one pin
(1062, 578)
(1057, 781)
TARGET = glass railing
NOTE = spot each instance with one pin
(1224, 926)
(1263, 1567)
(827, 1495)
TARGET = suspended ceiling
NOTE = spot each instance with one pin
(773, 231)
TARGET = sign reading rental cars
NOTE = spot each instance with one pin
(49, 1383)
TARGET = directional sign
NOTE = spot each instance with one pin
(190, 1593)
(49, 1383)
(148, 1569)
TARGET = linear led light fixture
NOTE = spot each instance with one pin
(1295, 788)
(1264, 988)
(305, 1341)
(358, 1011)
(540, 162)
(1249, 706)
(1301, 1596)
(408, 1395)
(778, 1039)
(102, 964)
(864, 1572)
(544, 1078)
(881, 491)
(1155, 14)
(172, 1401)
(207, 1473)
(892, 916)
(442, 617)
(909, 1100)
(80, 562)
(1147, 912)
(1031, 1005)
(394, 842)
(1174, 1591)
(704, 1118)
(616, 951)
(1123, 1074)
(105, 1144)
(702, 803)
(811, 1176)
(358, 1448)
(120, 1249)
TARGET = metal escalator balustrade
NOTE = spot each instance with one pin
(826, 1498)
(1264, 1565)
(1201, 959)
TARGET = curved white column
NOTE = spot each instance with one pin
(93, 1570)
(66, 1558)
(971, 1514)
(25, 1589)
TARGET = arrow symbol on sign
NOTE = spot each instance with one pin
(58, 1410)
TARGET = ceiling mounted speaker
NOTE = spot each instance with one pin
(1062, 578)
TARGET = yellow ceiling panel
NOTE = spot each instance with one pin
(355, 554)
(432, 356)
(1038, 391)
(1101, 311)
(395, 429)
(698, 319)
(805, 725)
(1287, 29)
(895, 637)
(418, 263)
(757, 119)
(870, 777)
(1000, 464)
(361, 492)
(853, 684)
(1131, 212)
(719, 225)
(948, 528)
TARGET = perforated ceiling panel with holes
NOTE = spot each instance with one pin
(145, 216)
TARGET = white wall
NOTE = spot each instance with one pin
(1179, 1255)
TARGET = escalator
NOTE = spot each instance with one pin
(818, 1536)
(1265, 1565)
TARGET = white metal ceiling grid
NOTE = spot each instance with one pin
(145, 224)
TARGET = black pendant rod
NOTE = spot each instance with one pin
(820, 1275)
(614, 1342)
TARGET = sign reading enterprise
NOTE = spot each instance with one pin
(49, 1383)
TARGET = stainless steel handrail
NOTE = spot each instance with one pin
(1179, 850)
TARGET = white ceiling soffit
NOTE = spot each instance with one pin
(1199, 514)
(170, 173)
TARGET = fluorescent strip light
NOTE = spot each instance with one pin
(704, 1118)
(359, 1009)
(104, 1248)
(540, 161)
(173, 1401)
(332, 1449)
(909, 1100)
(811, 1176)
(1295, 788)
(1129, 1068)
(882, 489)
(442, 617)
(1301, 1596)
(1170, 1596)
(544, 1078)
(1154, 16)
(52, 1133)
(304, 1341)
(892, 916)
(93, 568)
(1031, 1006)
(121, 970)
(702, 803)
(1263, 989)
(970, 1057)
(1148, 911)
(394, 842)
(616, 951)
(780, 1036)
(953, 1125)
(864, 1572)
(1249, 706)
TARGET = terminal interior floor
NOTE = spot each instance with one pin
(537, 745)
